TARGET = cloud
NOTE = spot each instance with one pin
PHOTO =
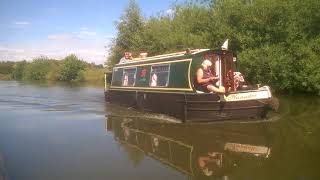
(84, 28)
(170, 12)
(58, 46)
(87, 33)
(21, 23)
(108, 36)
(5, 49)
(59, 37)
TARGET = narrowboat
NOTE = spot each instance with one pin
(199, 151)
(166, 84)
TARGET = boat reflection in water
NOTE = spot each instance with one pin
(220, 150)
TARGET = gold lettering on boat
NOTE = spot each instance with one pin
(247, 96)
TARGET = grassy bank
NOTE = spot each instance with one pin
(5, 77)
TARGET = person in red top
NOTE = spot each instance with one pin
(205, 80)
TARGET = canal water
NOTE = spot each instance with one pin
(65, 132)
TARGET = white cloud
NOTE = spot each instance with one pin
(84, 28)
(169, 12)
(21, 23)
(59, 37)
(58, 46)
(5, 49)
(108, 36)
(87, 33)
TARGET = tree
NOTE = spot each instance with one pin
(277, 41)
(37, 69)
(19, 69)
(129, 34)
(71, 68)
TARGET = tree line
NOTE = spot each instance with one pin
(70, 69)
(277, 42)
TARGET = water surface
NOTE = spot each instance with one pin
(61, 132)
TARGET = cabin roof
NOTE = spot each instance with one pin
(164, 56)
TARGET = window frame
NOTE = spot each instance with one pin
(151, 73)
(135, 77)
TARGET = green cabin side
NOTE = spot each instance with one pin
(176, 71)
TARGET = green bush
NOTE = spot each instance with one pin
(72, 69)
(37, 69)
(55, 70)
(270, 65)
(19, 70)
(6, 67)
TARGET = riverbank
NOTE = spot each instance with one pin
(90, 77)
(69, 69)
(5, 77)
(90, 74)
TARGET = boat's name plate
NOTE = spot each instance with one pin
(248, 96)
(246, 148)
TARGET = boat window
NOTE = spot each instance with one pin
(129, 77)
(159, 76)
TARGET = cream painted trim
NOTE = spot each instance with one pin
(163, 62)
(189, 71)
(154, 91)
(194, 51)
(105, 82)
(151, 88)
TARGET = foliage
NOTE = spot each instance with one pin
(95, 75)
(130, 32)
(261, 66)
(277, 42)
(68, 69)
(19, 69)
(72, 69)
(55, 71)
(37, 69)
(6, 67)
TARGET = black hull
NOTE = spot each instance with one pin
(189, 106)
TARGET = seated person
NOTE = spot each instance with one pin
(127, 57)
(205, 81)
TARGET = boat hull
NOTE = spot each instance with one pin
(190, 106)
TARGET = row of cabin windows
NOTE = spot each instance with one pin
(159, 76)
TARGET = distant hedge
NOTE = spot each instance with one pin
(71, 68)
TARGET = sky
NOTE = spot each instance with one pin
(57, 28)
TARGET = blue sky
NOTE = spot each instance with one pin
(56, 28)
